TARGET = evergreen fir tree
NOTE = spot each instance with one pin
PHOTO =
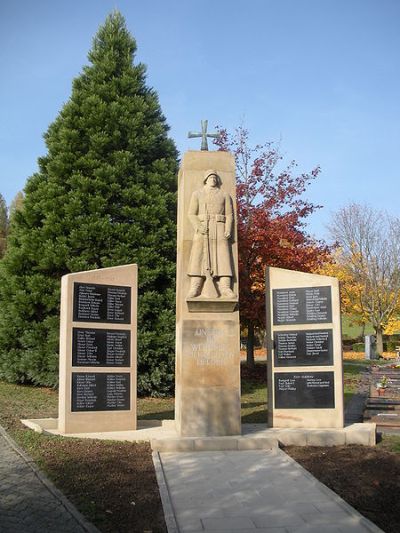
(3, 225)
(104, 195)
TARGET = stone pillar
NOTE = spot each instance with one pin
(207, 323)
(370, 347)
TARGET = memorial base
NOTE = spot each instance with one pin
(207, 305)
(164, 437)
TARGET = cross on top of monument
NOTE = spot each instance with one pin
(203, 134)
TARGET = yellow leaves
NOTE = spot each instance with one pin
(393, 326)
(351, 290)
(359, 296)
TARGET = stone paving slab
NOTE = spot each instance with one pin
(29, 503)
(249, 491)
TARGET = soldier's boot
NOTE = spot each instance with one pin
(225, 287)
(196, 283)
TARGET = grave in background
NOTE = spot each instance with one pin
(97, 390)
(383, 404)
(305, 376)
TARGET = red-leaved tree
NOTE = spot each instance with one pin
(271, 223)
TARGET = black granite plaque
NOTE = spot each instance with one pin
(303, 347)
(302, 305)
(94, 391)
(304, 390)
(101, 347)
(102, 303)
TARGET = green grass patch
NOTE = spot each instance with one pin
(352, 330)
(352, 374)
(23, 401)
(155, 408)
(354, 368)
(254, 393)
(390, 443)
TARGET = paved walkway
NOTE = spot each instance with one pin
(29, 503)
(249, 492)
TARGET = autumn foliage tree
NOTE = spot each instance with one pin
(368, 261)
(271, 223)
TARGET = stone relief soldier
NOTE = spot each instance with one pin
(211, 215)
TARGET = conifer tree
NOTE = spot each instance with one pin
(104, 195)
(3, 225)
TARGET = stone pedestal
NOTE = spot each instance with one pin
(305, 375)
(207, 331)
(97, 390)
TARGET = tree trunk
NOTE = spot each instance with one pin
(379, 341)
(250, 346)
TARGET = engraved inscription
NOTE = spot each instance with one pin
(208, 345)
(100, 347)
(318, 304)
(302, 305)
(101, 303)
(84, 392)
(100, 391)
(303, 347)
(286, 306)
(303, 390)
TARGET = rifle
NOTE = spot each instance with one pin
(209, 290)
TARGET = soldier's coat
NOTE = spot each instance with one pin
(211, 207)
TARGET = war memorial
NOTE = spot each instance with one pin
(98, 339)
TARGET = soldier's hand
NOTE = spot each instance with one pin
(202, 229)
(227, 234)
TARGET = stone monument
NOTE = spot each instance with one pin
(207, 396)
(97, 390)
(305, 375)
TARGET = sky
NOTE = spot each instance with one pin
(322, 77)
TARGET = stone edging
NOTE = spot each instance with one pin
(169, 514)
(80, 519)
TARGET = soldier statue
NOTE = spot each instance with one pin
(211, 215)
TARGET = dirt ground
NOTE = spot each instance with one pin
(112, 483)
(367, 478)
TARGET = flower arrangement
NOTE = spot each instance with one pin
(383, 383)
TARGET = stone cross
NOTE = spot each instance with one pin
(203, 135)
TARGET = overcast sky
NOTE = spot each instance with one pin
(321, 75)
